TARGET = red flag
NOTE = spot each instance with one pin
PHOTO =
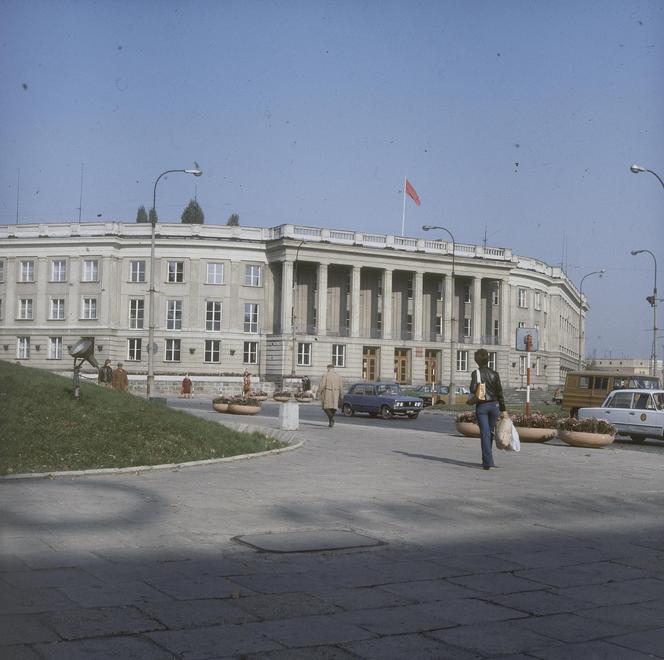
(412, 193)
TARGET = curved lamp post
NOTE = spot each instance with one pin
(637, 169)
(581, 333)
(293, 317)
(653, 302)
(151, 322)
(451, 394)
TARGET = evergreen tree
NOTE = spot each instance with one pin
(233, 220)
(142, 215)
(152, 217)
(193, 214)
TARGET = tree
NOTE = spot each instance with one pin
(142, 215)
(233, 220)
(193, 214)
(153, 217)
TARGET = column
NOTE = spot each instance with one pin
(477, 310)
(321, 303)
(286, 297)
(418, 293)
(448, 303)
(355, 302)
(505, 314)
(387, 303)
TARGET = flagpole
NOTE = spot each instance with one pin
(403, 216)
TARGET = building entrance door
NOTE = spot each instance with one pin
(370, 363)
(401, 365)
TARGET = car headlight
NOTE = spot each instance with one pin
(398, 404)
(418, 404)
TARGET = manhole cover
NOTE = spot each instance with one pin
(316, 541)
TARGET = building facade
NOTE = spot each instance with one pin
(282, 301)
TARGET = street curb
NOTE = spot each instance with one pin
(277, 434)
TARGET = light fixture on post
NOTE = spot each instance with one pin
(653, 302)
(452, 392)
(151, 326)
(581, 333)
(637, 169)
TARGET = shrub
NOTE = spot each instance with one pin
(245, 401)
(284, 393)
(221, 399)
(467, 416)
(591, 425)
(535, 421)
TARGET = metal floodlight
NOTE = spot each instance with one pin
(637, 169)
(195, 172)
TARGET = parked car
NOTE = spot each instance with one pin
(638, 413)
(380, 398)
(427, 391)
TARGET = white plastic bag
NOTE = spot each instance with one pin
(503, 433)
(515, 443)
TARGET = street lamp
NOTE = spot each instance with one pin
(293, 317)
(581, 333)
(653, 302)
(451, 393)
(151, 322)
(637, 169)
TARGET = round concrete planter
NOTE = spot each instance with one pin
(304, 399)
(220, 407)
(241, 409)
(528, 434)
(588, 440)
(468, 429)
(260, 397)
(281, 399)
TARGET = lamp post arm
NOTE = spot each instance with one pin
(659, 178)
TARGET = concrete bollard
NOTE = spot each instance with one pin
(289, 416)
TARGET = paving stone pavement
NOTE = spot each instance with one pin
(559, 553)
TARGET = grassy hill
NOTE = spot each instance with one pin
(44, 429)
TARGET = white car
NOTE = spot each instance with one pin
(637, 413)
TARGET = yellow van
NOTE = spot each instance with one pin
(588, 389)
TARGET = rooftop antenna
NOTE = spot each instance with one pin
(80, 199)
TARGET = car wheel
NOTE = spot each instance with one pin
(637, 438)
(413, 415)
(386, 412)
(348, 410)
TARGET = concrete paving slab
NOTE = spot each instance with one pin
(568, 627)
(269, 607)
(597, 650)
(113, 648)
(23, 629)
(398, 647)
(647, 641)
(308, 541)
(196, 613)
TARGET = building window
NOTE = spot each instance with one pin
(23, 348)
(212, 350)
(537, 367)
(409, 324)
(462, 361)
(90, 270)
(304, 354)
(27, 271)
(57, 309)
(55, 348)
(215, 273)
(213, 316)
(439, 291)
(250, 352)
(250, 317)
(496, 328)
(174, 315)
(410, 289)
(379, 321)
(495, 296)
(439, 325)
(252, 275)
(176, 271)
(172, 350)
(25, 309)
(523, 298)
(134, 349)
(137, 271)
(136, 313)
(2, 270)
(348, 320)
(492, 360)
(537, 302)
(466, 294)
(58, 270)
(1, 309)
(522, 365)
(89, 309)
(338, 355)
(467, 327)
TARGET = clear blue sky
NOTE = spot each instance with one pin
(518, 118)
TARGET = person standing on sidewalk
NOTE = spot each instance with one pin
(329, 393)
(120, 379)
(489, 408)
(105, 376)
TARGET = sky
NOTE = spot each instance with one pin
(515, 121)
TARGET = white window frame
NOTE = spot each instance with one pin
(26, 270)
(538, 367)
(215, 273)
(2, 270)
(90, 271)
(537, 301)
(212, 351)
(23, 348)
(24, 311)
(89, 308)
(250, 352)
(137, 270)
(304, 351)
(173, 314)
(213, 315)
(493, 357)
(55, 348)
(175, 272)
(172, 350)
(59, 270)
(439, 324)
(496, 328)
(253, 274)
(521, 324)
(522, 299)
(136, 313)
(56, 309)
(462, 361)
(467, 327)
(467, 294)
(495, 297)
(523, 365)
(1, 308)
(339, 355)
(251, 317)
(134, 349)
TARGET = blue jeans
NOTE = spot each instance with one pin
(487, 413)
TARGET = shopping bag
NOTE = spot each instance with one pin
(480, 388)
(503, 433)
(515, 443)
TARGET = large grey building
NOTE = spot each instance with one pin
(281, 301)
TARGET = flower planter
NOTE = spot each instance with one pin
(242, 409)
(220, 407)
(304, 399)
(528, 434)
(588, 440)
(468, 429)
(281, 399)
(259, 397)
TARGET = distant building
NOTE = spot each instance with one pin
(281, 300)
(628, 365)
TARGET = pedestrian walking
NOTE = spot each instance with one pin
(105, 376)
(487, 392)
(120, 379)
(246, 383)
(187, 387)
(329, 393)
